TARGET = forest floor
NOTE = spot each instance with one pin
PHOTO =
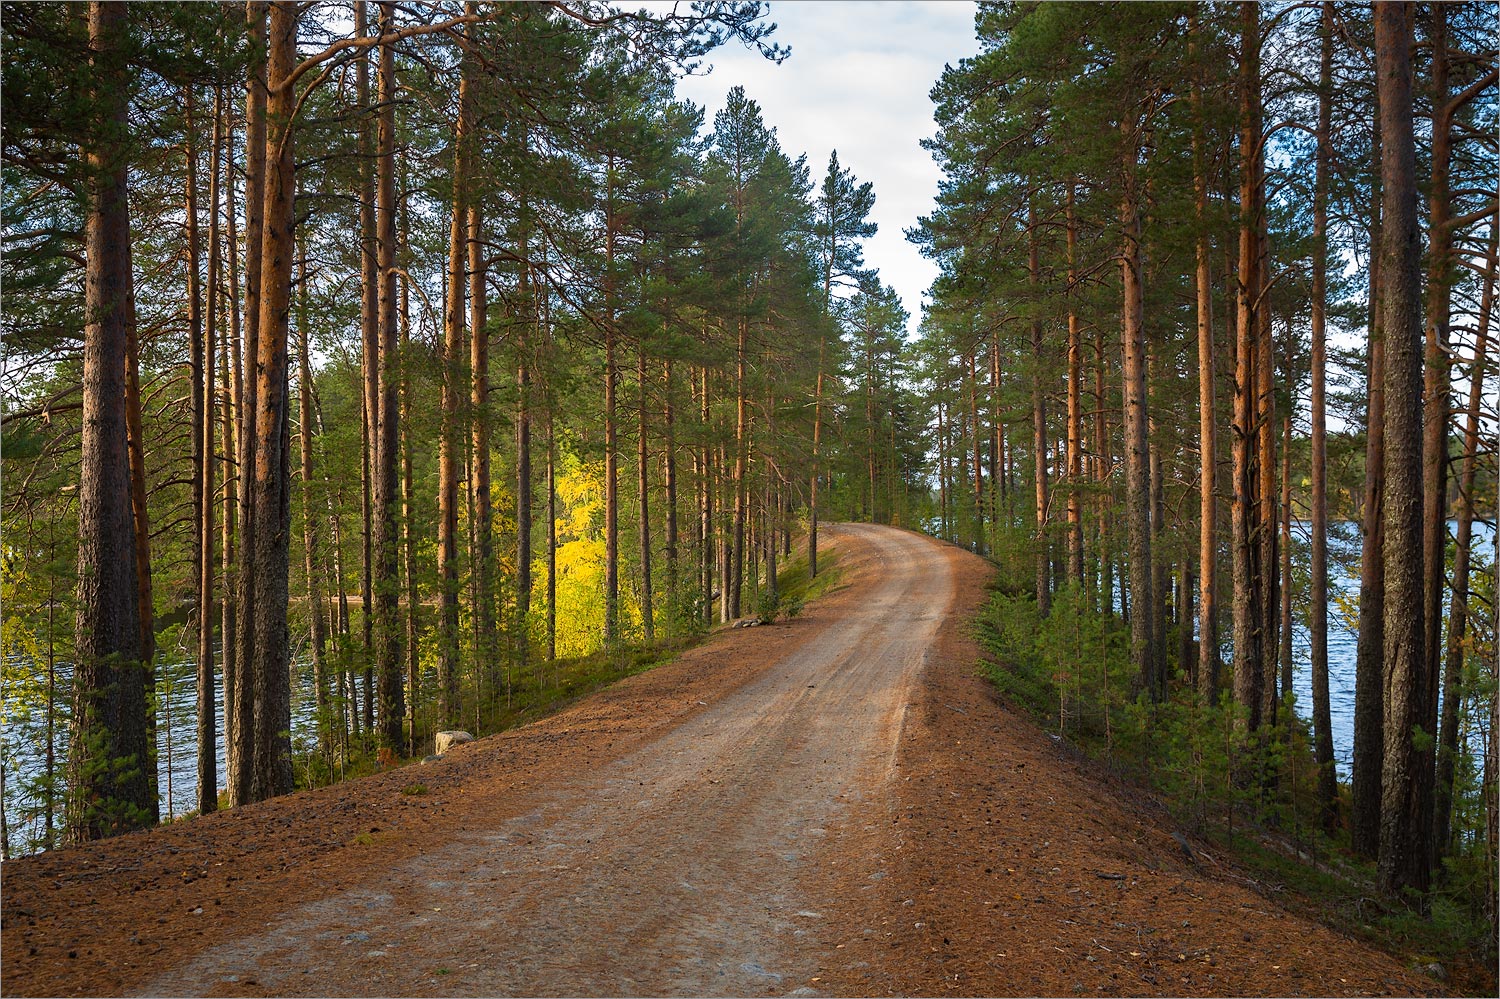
(834, 805)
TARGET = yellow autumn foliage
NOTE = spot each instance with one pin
(580, 564)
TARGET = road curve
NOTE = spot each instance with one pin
(680, 868)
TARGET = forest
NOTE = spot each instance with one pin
(1199, 334)
(340, 337)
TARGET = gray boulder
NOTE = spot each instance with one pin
(444, 741)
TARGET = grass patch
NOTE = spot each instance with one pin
(795, 588)
(555, 686)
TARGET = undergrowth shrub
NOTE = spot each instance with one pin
(1256, 791)
(1072, 671)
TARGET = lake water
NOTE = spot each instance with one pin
(177, 725)
(1343, 639)
(176, 745)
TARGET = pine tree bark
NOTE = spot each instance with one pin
(1322, 718)
(529, 324)
(208, 771)
(996, 436)
(266, 656)
(1369, 681)
(611, 454)
(1137, 452)
(1284, 549)
(1075, 403)
(523, 462)
(201, 444)
(454, 324)
(108, 789)
(643, 490)
(1407, 778)
(369, 334)
(1436, 389)
(708, 547)
(230, 415)
(1208, 665)
(247, 411)
(1039, 420)
(1246, 606)
(408, 512)
(669, 484)
(310, 562)
(479, 460)
(869, 394)
(1269, 577)
(741, 466)
(392, 708)
(971, 374)
(1103, 473)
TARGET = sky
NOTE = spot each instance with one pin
(857, 81)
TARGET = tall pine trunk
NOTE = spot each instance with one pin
(1137, 452)
(1318, 615)
(369, 335)
(208, 772)
(319, 634)
(1207, 669)
(266, 548)
(454, 324)
(1435, 376)
(408, 511)
(1369, 679)
(1246, 609)
(231, 373)
(479, 460)
(1075, 404)
(1406, 793)
(643, 458)
(1039, 421)
(243, 751)
(611, 429)
(669, 484)
(108, 788)
(198, 402)
(387, 423)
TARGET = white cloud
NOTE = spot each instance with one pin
(857, 81)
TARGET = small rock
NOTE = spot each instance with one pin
(1435, 970)
(431, 759)
(752, 968)
(444, 741)
(357, 938)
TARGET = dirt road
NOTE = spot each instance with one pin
(830, 806)
(685, 856)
